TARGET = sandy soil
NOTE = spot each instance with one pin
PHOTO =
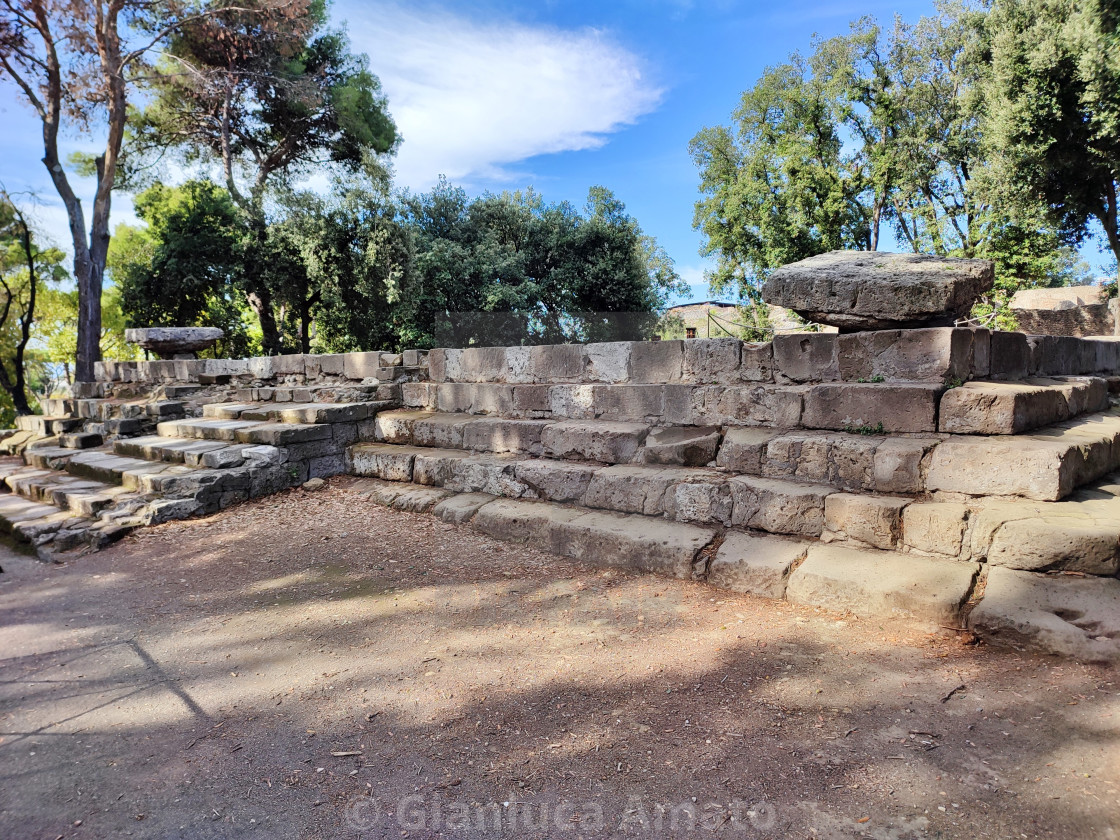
(314, 666)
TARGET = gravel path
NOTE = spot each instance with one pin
(313, 666)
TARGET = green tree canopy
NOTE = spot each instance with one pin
(879, 126)
(267, 104)
(184, 268)
(511, 268)
(1055, 108)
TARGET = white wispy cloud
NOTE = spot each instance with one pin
(472, 98)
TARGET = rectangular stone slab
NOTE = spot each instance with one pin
(854, 406)
(882, 584)
(758, 565)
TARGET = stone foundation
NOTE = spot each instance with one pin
(883, 473)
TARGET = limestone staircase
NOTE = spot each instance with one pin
(80, 489)
(1018, 480)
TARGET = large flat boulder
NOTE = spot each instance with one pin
(174, 342)
(875, 290)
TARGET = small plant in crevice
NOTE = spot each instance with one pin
(953, 383)
(866, 429)
(876, 379)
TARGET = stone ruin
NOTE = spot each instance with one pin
(1069, 310)
(174, 342)
(952, 476)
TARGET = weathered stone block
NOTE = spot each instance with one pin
(500, 435)
(385, 461)
(396, 426)
(704, 498)
(630, 489)
(742, 450)
(779, 507)
(882, 584)
(438, 467)
(686, 446)
(926, 355)
(1010, 356)
(530, 399)
(494, 474)
(573, 402)
(440, 430)
(734, 405)
(327, 465)
(518, 365)
(556, 363)
(754, 564)
(935, 527)
(628, 402)
(711, 360)
(898, 465)
(283, 434)
(455, 396)
(1063, 540)
(609, 442)
(648, 545)
(329, 364)
(757, 362)
(461, 507)
(1044, 466)
(437, 365)
(556, 481)
(656, 361)
(806, 357)
(874, 520)
(419, 394)
(483, 364)
(608, 361)
(1001, 408)
(861, 290)
(853, 406)
(491, 398)
(289, 365)
(1066, 616)
(361, 365)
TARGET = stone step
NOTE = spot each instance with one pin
(212, 454)
(246, 431)
(1047, 465)
(80, 440)
(882, 584)
(340, 392)
(121, 409)
(49, 457)
(860, 581)
(1012, 408)
(1067, 616)
(682, 494)
(45, 425)
(56, 516)
(352, 412)
(19, 441)
(1078, 535)
(80, 496)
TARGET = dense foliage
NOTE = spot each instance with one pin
(938, 130)
(372, 271)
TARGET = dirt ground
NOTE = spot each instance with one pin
(314, 666)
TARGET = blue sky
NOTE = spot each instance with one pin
(557, 95)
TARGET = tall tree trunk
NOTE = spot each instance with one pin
(261, 301)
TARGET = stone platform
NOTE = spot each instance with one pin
(954, 477)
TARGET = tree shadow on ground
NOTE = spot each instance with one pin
(417, 679)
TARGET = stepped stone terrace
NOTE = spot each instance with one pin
(950, 476)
